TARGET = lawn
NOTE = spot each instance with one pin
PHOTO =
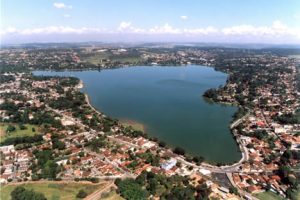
(268, 196)
(54, 191)
(18, 132)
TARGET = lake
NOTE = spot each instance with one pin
(169, 102)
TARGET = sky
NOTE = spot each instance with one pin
(218, 21)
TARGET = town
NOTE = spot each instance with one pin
(67, 139)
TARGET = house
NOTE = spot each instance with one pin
(7, 149)
(169, 164)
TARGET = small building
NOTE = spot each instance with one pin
(169, 164)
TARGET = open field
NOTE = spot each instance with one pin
(135, 125)
(268, 196)
(53, 190)
(111, 196)
(18, 132)
(126, 58)
(96, 58)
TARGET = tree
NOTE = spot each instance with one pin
(95, 144)
(180, 192)
(81, 194)
(22, 127)
(20, 193)
(129, 189)
(161, 143)
(179, 151)
(291, 193)
(198, 159)
(233, 190)
(211, 94)
(57, 144)
(10, 128)
(50, 169)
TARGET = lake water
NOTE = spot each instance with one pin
(168, 101)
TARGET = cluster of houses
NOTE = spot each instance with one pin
(265, 138)
(47, 58)
(125, 156)
(14, 164)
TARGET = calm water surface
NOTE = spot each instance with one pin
(168, 101)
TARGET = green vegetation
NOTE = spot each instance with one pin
(81, 194)
(6, 78)
(49, 168)
(293, 193)
(111, 196)
(129, 189)
(13, 130)
(96, 58)
(53, 190)
(148, 183)
(134, 125)
(97, 143)
(289, 118)
(268, 196)
(20, 193)
(150, 158)
(21, 135)
(211, 94)
(70, 100)
(179, 150)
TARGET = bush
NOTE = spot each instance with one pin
(10, 128)
(161, 143)
(20, 193)
(179, 151)
(22, 127)
(129, 189)
(81, 194)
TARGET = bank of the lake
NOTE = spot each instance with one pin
(168, 101)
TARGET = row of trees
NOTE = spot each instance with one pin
(289, 118)
(21, 140)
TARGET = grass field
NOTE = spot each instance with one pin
(18, 132)
(268, 196)
(111, 196)
(96, 58)
(135, 125)
(53, 191)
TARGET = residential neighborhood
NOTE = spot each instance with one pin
(67, 139)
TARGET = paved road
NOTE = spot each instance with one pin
(237, 122)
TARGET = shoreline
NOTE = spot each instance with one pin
(134, 124)
(80, 85)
